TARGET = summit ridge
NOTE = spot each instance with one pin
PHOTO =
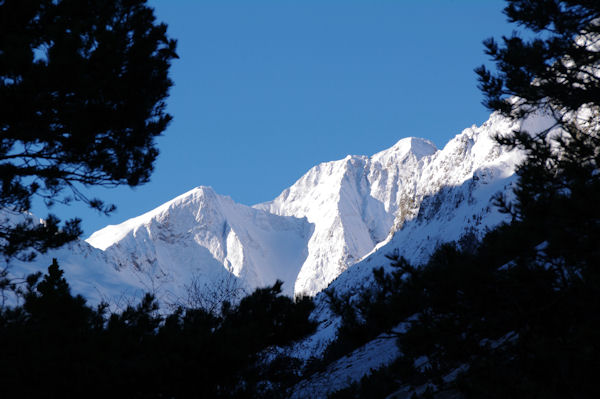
(330, 222)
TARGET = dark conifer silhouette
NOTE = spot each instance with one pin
(556, 71)
(83, 85)
(55, 345)
(518, 316)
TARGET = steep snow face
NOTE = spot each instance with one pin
(340, 218)
(202, 235)
(452, 200)
(353, 204)
(411, 195)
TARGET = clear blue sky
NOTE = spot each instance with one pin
(264, 90)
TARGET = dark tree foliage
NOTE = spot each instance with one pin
(555, 71)
(498, 320)
(82, 84)
(55, 345)
(519, 316)
(555, 66)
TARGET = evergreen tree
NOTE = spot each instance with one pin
(82, 84)
(519, 316)
(536, 334)
(55, 345)
(557, 72)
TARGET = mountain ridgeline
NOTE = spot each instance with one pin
(338, 216)
(466, 272)
(413, 270)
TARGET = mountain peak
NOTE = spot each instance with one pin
(111, 234)
(410, 145)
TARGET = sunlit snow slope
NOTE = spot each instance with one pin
(202, 234)
(411, 196)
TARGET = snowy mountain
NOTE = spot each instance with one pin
(451, 198)
(412, 194)
(339, 219)
(457, 205)
(205, 234)
(353, 204)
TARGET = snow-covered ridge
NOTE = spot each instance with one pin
(336, 220)
(352, 203)
(201, 234)
(452, 200)
(111, 234)
(359, 203)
